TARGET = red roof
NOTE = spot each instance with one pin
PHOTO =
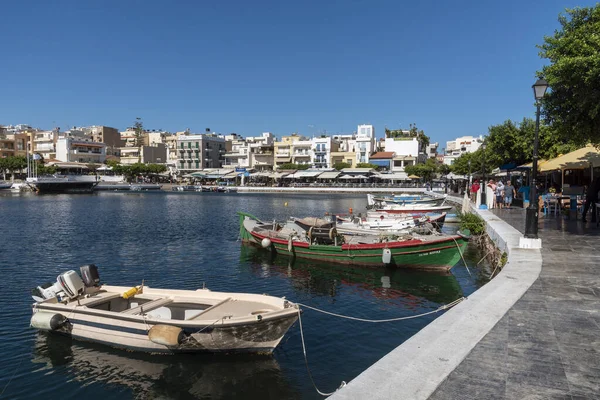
(382, 155)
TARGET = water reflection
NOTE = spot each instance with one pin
(180, 376)
(326, 279)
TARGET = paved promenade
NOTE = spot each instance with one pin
(548, 344)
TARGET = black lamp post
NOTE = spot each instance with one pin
(483, 185)
(469, 181)
(531, 216)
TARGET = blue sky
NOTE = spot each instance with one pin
(452, 67)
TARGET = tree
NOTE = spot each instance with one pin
(367, 165)
(422, 138)
(293, 166)
(426, 170)
(138, 128)
(572, 106)
(341, 165)
(460, 166)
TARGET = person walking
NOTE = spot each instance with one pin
(591, 198)
(499, 192)
(474, 189)
(509, 194)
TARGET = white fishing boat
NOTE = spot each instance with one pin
(414, 209)
(153, 320)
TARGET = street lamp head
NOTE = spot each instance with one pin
(539, 88)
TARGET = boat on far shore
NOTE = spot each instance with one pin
(63, 183)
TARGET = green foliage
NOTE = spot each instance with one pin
(137, 169)
(12, 164)
(112, 163)
(511, 142)
(426, 170)
(472, 222)
(572, 106)
(138, 127)
(43, 169)
(341, 165)
(293, 166)
(367, 165)
(422, 138)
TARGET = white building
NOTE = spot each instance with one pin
(44, 143)
(365, 143)
(321, 151)
(76, 149)
(406, 149)
(459, 146)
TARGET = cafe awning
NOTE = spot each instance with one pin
(394, 177)
(582, 158)
(329, 175)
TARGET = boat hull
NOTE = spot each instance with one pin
(133, 332)
(435, 255)
(202, 338)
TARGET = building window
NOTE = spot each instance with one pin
(197, 164)
(197, 144)
(182, 145)
(189, 145)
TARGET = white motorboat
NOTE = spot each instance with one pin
(160, 320)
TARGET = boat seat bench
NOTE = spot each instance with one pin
(99, 299)
(149, 306)
(209, 309)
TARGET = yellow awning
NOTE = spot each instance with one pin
(530, 164)
(578, 159)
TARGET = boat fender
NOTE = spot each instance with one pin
(265, 243)
(132, 292)
(166, 335)
(387, 256)
(47, 321)
(290, 244)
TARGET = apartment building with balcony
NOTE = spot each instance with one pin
(261, 152)
(283, 149)
(107, 135)
(78, 149)
(459, 146)
(200, 151)
(171, 145)
(44, 143)
(237, 152)
(365, 143)
(7, 148)
(321, 148)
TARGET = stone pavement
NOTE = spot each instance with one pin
(548, 344)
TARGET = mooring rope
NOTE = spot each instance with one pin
(306, 361)
(461, 255)
(440, 308)
(13, 375)
(443, 307)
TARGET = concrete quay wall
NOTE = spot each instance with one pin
(417, 367)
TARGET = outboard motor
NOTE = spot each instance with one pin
(90, 276)
(68, 284)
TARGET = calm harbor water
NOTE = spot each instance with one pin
(181, 240)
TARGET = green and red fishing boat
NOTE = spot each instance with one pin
(437, 252)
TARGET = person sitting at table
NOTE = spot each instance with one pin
(591, 198)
